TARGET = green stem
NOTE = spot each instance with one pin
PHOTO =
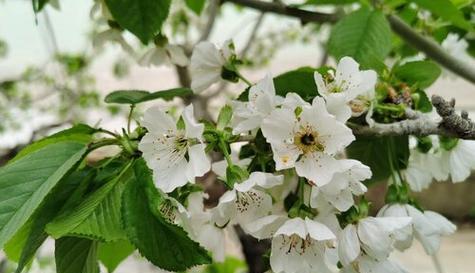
(102, 130)
(301, 189)
(102, 143)
(226, 154)
(129, 119)
(243, 78)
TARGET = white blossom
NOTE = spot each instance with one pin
(427, 227)
(175, 155)
(367, 264)
(340, 190)
(350, 83)
(207, 63)
(373, 235)
(112, 35)
(262, 100)
(421, 169)
(168, 54)
(203, 229)
(247, 201)
(298, 245)
(459, 161)
(307, 140)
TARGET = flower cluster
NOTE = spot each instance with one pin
(438, 158)
(307, 197)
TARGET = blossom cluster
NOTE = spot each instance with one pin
(327, 227)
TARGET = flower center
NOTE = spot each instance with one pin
(245, 199)
(181, 143)
(294, 243)
(308, 141)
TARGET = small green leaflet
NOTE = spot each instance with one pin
(164, 244)
(38, 5)
(364, 35)
(144, 18)
(138, 96)
(446, 10)
(420, 73)
(224, 117)
(196, 5)
(27, 181)
(76, 255)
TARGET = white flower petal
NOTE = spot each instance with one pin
(375, 239)
(318, 231)
(265, 227)
(279, 126)
(318, 168)
(192, 127)
(348, 245)
(199, 163)
(177, 55)
(295, 226)
(158, 122)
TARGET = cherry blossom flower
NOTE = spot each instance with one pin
(458, 161)
(262, 101)
(175, 155)
(168, 54)
(247, 201)
(427, 227)
(367, 264)
(348, 84)
(307, 138)
(340, 190)
(203, 229)
(298, 245)
(207, 64)
(372, 236)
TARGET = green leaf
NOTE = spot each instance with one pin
(420, 73)
(446, 10)
(76, 255)
(224, 117)
(144, 18)
(97, 217)
(31, 236)
(376, 153)
(364, 35)
(300, 81)
(196, 5)
(164, 244)
(112, 254)
(38, 5)
(421, 101)
(79, 133)
(138, 96)
(27, 181)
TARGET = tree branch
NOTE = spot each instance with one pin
(424, 44)
(212, 12)
(451, 124)
(252, 37)
(304, 15)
